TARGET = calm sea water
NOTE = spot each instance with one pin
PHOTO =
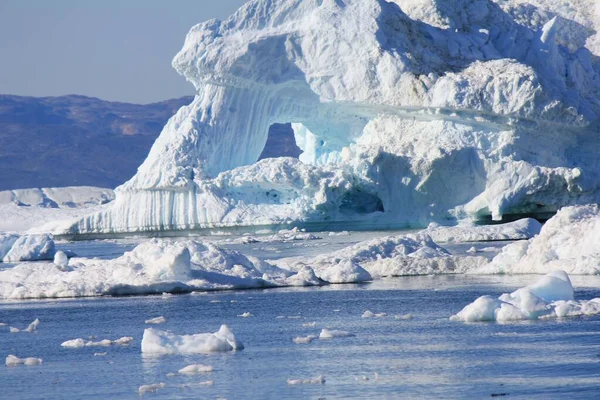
(426, 357)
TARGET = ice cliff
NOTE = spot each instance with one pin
(407, 111)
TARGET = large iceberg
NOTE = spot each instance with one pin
(406, 111)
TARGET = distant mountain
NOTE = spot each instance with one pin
(83, 141)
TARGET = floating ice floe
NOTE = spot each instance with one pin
(371, 314)
(195, 369)
(405, 317)
(30, 248)
(32, 326)
(161, 342)
(78, 343)
(151, 388)
(245, 315)
(319, 380)
(304, 339)
(12, 361)
(550, 297)
(60, 259)
(332, 333)
(157, 320)
(283, 236)
(309, 324)
(568, 241)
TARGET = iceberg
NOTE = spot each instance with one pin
(550, 297)
(407, 112)
(568, 241)
(30, 248)
(162, 342)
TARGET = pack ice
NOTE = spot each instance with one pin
(407, 111)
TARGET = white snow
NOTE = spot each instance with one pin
(24, 209)
(332, 333)
(550, 297)
(319, 380)
(406, 112)
(31, 248)
(522, 229)
(78, 343)
(304, 339)
(568, 241)
(371, 314)
(150, 388)
(162, 342)
(195, 369)
(60, 259)
(12, 361)
(157, 320)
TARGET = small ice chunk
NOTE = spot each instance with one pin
(162, 342)
(404, 316)
(157, 320)
(473, 249)
(12, 361)
(2, 324)
(60, 259)
(245, 315)
(100, 354)
(370, 314)
(309, 324)
(12, 329)
(294, 317)
(32, 326)
(78, 343)
(151, 388)
(331, 333)
(304, 339)
(319, 380)
(195, 369)
(280, 317)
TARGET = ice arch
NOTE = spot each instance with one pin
(407, 112)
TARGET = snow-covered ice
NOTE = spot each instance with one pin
(319, 380)
(162, 342)
(550, 297)
(568, 241)
(522, 229)
(31, 248)
(156, 320)
(32, 327)
(304, 339)
(78, 343)
(60, 259)
(195, 369)
(143, 389)
(371, 314)
(332, 333)
(406, 112)
(245, 315)
(12, 361)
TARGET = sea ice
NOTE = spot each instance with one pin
(370, 314)
(32, 326)
(60, 259)
(150, 388)
(245, 315)
(78, 343)
(12, 361)
(568, 241)
(195, 369)
(157, 320)
(161, 342)
(304, 339)
(319, 380)
(522, 229)
(332, 333)
(550, 297)
(31, 248)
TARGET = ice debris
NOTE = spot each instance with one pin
(332, 333)
(157, 320)
(304, 339)
(78, 343)
(161, 342)
(522, 229)
(550, 297)
(150, 388)
(319, 380)
(30, 248)
(12, 361)
(371, 314)
(195, 369)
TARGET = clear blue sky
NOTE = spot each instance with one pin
(117, 50)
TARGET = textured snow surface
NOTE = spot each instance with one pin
(387, 256)
(407, 111)
(28, 248)
(521, 229)
(550, 297)
(162, 342)
(569, 241)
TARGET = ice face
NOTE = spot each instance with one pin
(407, 112)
